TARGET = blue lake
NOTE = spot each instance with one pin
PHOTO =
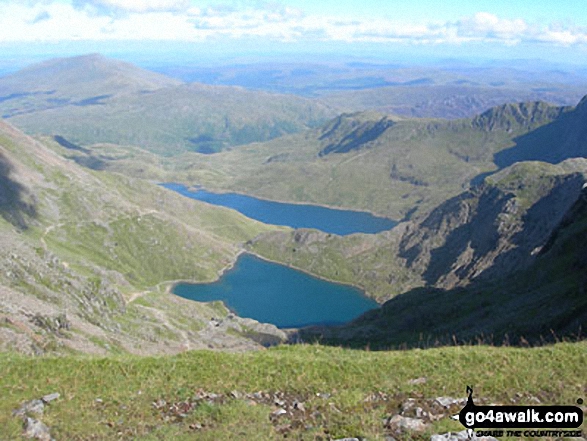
(273, 293)
(329, 220)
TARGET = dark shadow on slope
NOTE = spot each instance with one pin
(542, 304)
(479, 314)
(358, 138)
(69, 145)
(478, 237)
(476, 234)
(489, 242)
(13, 206)
(538, 226)
(565, 137)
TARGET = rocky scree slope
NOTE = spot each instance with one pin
(84, 257)
(543, 302)
(484, 233)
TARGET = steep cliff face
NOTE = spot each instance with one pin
(544, 302)
(493, 229)
(561, 134)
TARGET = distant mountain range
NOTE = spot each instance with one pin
(450, 89)
(123, 104)
(492, 207)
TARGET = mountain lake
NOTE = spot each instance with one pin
(329, 220)
(273, 293)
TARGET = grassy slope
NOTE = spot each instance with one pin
(410, 167)
(121, 103)
(543, 301)
(94, 239)
(128, 387)
(455, 241)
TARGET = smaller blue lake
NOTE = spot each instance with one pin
(329, 220)
(273, 293)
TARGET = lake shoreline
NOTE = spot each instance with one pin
(170, 284)
(195, 188)
(280, 294)
(336, 221)
(326, 279)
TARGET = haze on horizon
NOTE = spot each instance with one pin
(215, 29)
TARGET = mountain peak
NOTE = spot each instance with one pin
(83, 76)
(511, 117)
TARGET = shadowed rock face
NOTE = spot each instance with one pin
(358, 138)
(13, 206)
(503, 264)
(487, 232)
(563, 135)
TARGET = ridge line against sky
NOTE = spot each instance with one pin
(553, 30)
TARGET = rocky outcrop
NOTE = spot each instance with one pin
(353, 132)
(491, 230)
(512, 117)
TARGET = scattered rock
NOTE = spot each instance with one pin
(415, 381)
(50, 397)
(299, 406)
(408, 405)
(460, 436)
(278, 413)
(347, 439)
(403, 424)
(30, 407)
(36, 429)
(450, 401)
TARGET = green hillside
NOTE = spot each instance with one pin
(392, 166)
(486, 232)
(544, 300)
(121, 103)
(86, 259)
(325, 393)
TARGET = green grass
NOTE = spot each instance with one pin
(128, 386)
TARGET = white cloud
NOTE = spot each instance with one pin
(50, 20)
(140, 5)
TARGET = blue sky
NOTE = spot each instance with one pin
(555, 31)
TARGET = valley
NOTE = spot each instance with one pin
(452, 241)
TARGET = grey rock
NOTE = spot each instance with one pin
(278, 412)
(408, 405)
(299, 406)
(30, 407)
(36, 429)
(402, 423)
(347, 439)
(50, 397)
(415, 381)
(460, 436)
(450, 401)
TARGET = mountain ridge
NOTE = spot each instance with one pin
(539, 299)
(87, 270)
(122, 103)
